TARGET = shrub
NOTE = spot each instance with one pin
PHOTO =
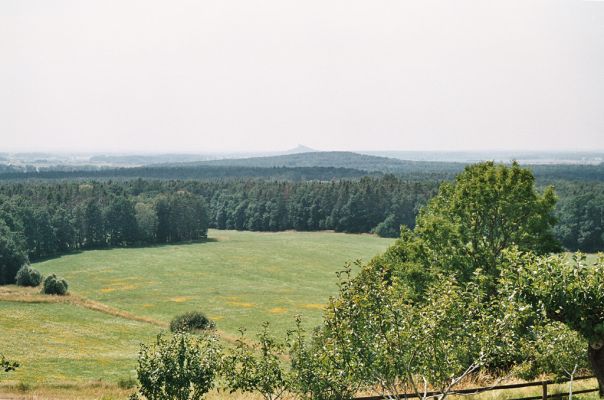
(7, 365)
(55, 285)
(28, 276)
(388, 228)
(193, 321)
(178, 367)
(257, 368)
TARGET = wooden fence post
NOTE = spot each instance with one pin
(544, 385)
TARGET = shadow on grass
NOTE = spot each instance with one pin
(134, 246)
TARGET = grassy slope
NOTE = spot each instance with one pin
(59, 343)
(240, 279)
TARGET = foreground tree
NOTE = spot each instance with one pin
(313, 374)
(430, 311)
(379, 340)
(488, 208)
(571, 292)
(178, 367)
(553, 349)
(257, 368)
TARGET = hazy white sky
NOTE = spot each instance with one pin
(209, 75)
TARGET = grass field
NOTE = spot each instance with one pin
(81, 345)
(121, 297)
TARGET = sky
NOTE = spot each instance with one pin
(258, 75)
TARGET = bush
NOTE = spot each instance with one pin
(178, 367)
(7, 365)
(28, 276)
(193, 321)
(55, 285)
(388, 228)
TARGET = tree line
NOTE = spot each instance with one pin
(40, 219)
(207, 172)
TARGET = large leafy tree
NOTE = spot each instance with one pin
(431, 306)
(374, 338)
(488, 208)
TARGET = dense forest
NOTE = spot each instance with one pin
(38, 221)
(54, 210)
(182, 172)
(42, 219)
(52, 218)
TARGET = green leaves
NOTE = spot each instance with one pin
(489, 208)
(257, 367)
(568, 291)
(374, 336)
(178, 367)
(552, 348)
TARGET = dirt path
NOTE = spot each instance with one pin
(17, 294)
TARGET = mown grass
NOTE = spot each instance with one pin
(62, 343)
(80, 346)
(239, 279)
(122, 297)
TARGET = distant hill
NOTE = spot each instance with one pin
(300, 149)
(340, 159)
(135, 160)
(314, 165)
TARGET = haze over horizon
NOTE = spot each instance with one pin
(238, 76)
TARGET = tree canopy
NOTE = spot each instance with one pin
(488, 208)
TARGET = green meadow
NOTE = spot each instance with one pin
(122, 297)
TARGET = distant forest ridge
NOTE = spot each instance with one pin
(192, 173)
(298, 166)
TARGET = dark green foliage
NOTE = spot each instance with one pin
(488, 208)
(388, 228)
(194, 172)
(39, 221)
(181, 216)
(12, 254)
(55, 285)
(193, 321)
(28, 276)
(343, 206)
(47, 219)
(120, 221)
(92, 225)
(581, 216)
